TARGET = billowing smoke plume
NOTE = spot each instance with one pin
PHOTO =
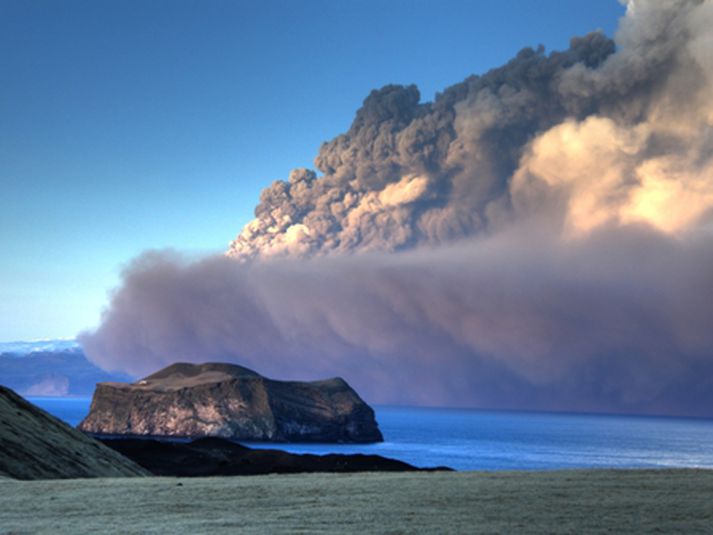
(407, 174)
(538, 236)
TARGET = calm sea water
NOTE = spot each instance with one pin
(493, 440)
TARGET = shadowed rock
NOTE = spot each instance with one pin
(35, 445)
(220, 457)
(229, 401)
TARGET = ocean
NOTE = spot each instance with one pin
(467, 439)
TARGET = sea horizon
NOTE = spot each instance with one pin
(463, 408)
(494, 440)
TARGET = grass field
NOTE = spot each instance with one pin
(586, 501)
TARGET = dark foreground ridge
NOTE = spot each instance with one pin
(220, 457)
(36, 445)
(229, 401)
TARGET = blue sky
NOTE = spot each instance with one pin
(129, 125)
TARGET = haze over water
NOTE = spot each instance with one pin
(467, 439)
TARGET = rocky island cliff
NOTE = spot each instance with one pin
(230, 401)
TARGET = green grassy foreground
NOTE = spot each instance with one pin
(586, 501)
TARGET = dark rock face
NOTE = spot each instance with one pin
(229, 401)
(219, 457)
(36, 445)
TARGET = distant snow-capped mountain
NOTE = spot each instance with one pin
(51, 368)
(38, 346)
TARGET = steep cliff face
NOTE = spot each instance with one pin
(229, 401)
(36, 445)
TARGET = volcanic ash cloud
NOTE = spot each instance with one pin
(537, 236)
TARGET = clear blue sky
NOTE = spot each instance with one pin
(127, 125)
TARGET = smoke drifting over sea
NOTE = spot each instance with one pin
(539, 237)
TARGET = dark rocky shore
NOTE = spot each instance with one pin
(220, 457)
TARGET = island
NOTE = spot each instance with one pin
(232, 402)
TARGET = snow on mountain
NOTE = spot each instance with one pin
(39, 346)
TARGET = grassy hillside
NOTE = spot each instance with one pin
(517, 502)
(36, 445)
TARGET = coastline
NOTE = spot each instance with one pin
(473, 439)
(560, 501)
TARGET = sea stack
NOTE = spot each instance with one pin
(230, 401)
